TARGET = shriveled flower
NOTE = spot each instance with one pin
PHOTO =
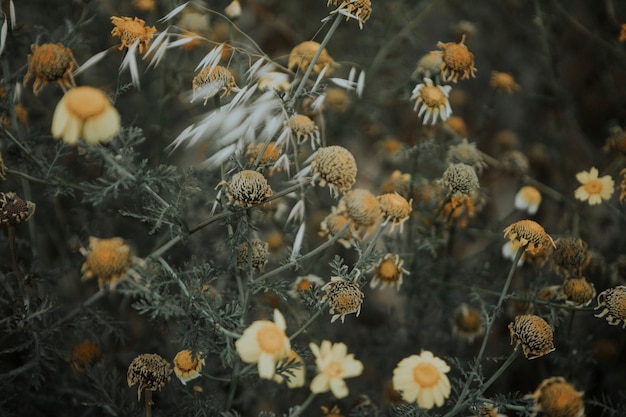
(458, 209)
(255, 253)
(334, 166)
(301, 56)
(530, 234)
(429, 65)
(457, 61)
(466, 153)
(233, 10)
(186, 366)
(264, 342)
(594, 189)
(50, 62)
(211, 81)
(131, 30)
(467, 322)
(422, 378)
(361, 207)
(150, 370)
(515, 162)
(534, 334)
(344, 297)
(334, 223)
(528, 199)
(395, 208)
(570, 256)
(503, 81)
(613, 304)
(305, 283)
(460, 179)
(555, 397)
(14, 210)
(270, 155)
(303, 128)
(432, 101)
(294, 372)
(578, 292)
(107, 259)
(85, 354)
(361, 10)
(334, 364)
(336, 100)
(247, 188)
(389, 271)
(85, 112)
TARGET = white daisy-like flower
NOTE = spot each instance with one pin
(305, 283)
(422, 379)
(594, 189)
(528, 199)
(265, 343)
(334, 364)
(432, 100)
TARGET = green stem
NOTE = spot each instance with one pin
(303, 406)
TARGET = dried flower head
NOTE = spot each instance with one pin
(14, 210)
(361, 10)
(132, 30)
(528, 198)
(85, 354)
(570, 256)
(304, 128)
(305, 283)
(186, 366)
(514, 162)
(458, 209)
(233, 10)
(389, 271)
(457, 61)
(334, 166)
(270, 156)
(332, 226)
(422, 378)
(466, 153)
(613, 304)
(395, 208)
(503, 81)
(533, 333)
(460, 179)
(301, 56)
(361, 207)
(467, 322)
(336, 100)
(211, 81)
(107, 259)
(85, 112)
(334, 364)
(247, 188)
(429, 65)
(344, 297)
(578, 292)
(530, 234)
(432, 100)
(594, 189)
(555, 397)
(50, 62)
(150, 371)
(399, 183)
(264, 342)
(256, 258)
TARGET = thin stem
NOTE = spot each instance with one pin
(309, 69)
(148, 398)
(303, 406)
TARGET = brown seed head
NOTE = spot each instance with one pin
(150, 371)
(50, 62)
(534, 334)
(613, 305)
(360, 206)
(457, 61)
(578, 292)
(132, 30)
(343, 296)
(461, 179)
(530, 234)
(557, 398)
(14, 210)
(334, 166)
(258, 258)
(247, 188)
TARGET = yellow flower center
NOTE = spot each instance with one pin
(270, 338)
(426, 375)
(387, 270)
(432, 96)
(333, 370)
(304, 285)
(184, 361)
(86, 102)
(593, 186)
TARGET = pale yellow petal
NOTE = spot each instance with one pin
(319, 384)
(266, 366)
(583, 177)
(581, 194)
(339, 388)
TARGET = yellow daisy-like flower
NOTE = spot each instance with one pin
(294, 373)
(594, 189)
(107, 259)
(389, 272)
(334, 364)
(264, 343)
(131, 31)
(432, 100)
(305, 283)
(422, 378)
(187, 367)
(50, 62)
